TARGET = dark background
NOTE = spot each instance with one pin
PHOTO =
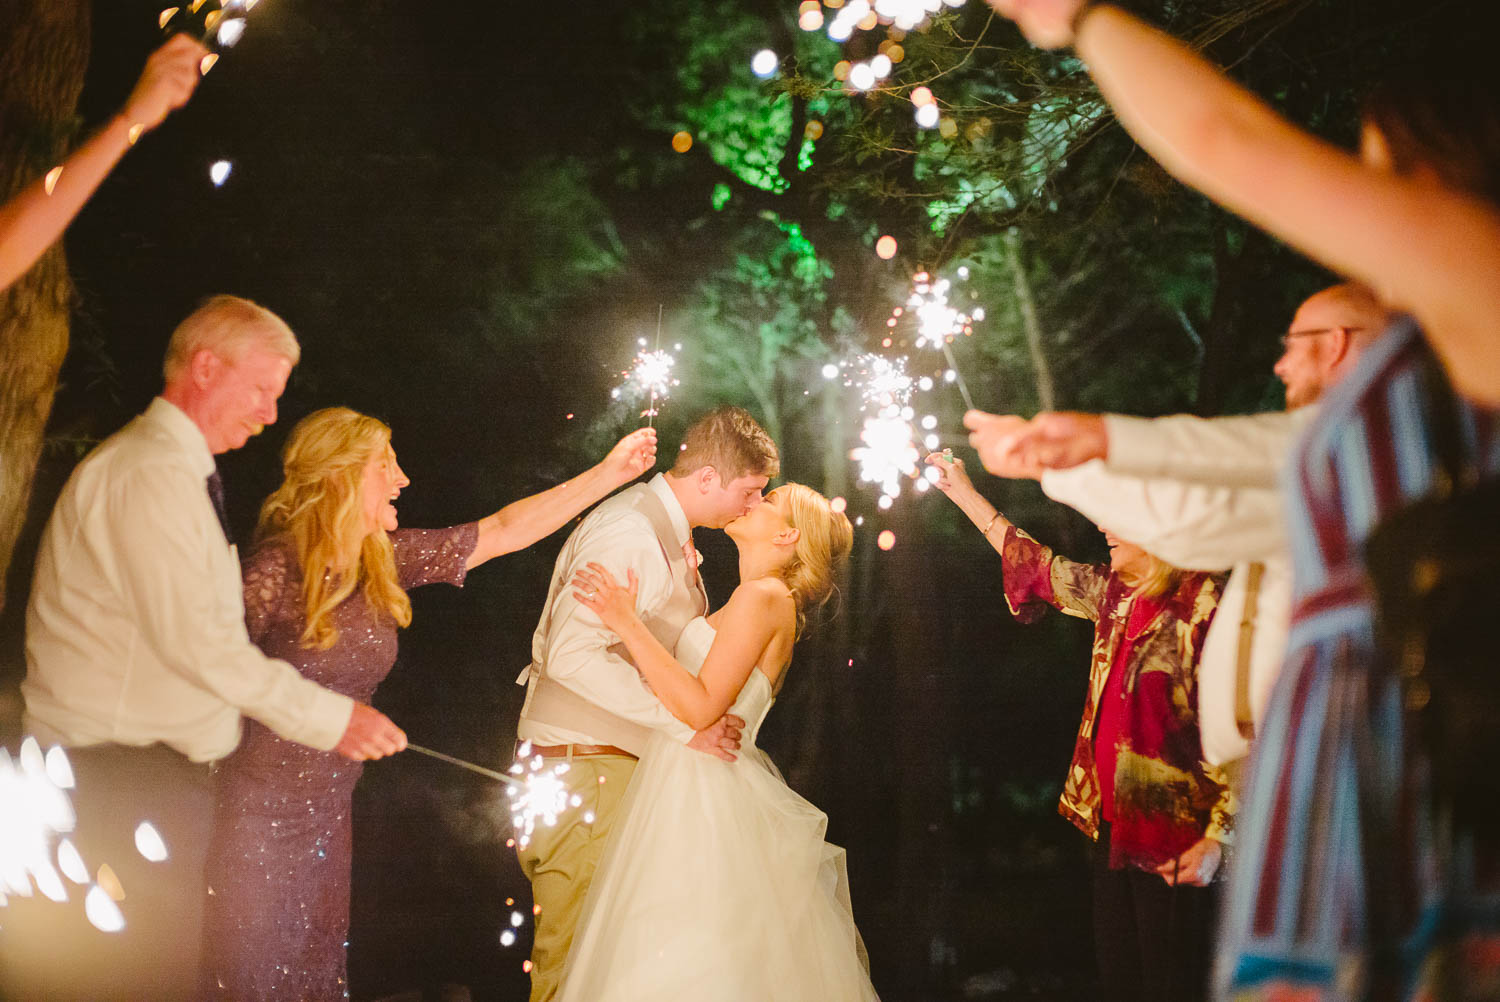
(468, 212)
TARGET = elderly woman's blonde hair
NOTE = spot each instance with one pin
(824, 539)
(319, 512)
(1159, 577)
(228, 326)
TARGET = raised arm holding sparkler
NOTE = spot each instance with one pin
(33, 220)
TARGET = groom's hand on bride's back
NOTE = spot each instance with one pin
(721, 738)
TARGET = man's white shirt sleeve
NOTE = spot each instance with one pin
(577, 654)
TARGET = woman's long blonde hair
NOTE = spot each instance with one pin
(824, 539)
(319, 512)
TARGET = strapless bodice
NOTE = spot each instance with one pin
(755, 698)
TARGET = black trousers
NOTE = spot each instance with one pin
(50, 951)
(1153, 941)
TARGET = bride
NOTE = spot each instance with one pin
(717, 884)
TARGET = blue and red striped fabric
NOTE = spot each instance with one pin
(1295, 924)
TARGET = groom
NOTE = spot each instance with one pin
(585, 703)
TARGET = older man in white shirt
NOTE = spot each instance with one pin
(1204, 494)
(585, 702)
(139, 663)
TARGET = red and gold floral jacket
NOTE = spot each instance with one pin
(1166, 797)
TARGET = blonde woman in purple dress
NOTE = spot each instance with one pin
(326, 589)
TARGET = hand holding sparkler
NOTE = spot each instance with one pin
(170, 76)
(370, 734)
(632, 455)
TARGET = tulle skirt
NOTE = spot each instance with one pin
(717, 886)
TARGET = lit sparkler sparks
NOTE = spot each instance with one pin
(882, 381)
(36, 812)
(650, 375)
(540, 795)
(888, 454)
(938, 322)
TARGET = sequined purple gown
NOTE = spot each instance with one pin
(278, 917)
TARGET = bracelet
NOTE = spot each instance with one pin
(1083, 11)
(989, 525)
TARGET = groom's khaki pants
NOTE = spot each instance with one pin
(560, 863)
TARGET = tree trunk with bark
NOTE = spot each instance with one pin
(44, 49)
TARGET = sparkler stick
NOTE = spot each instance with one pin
(958, 377)
(651, 415)
(499, 777)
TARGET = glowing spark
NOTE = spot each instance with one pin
(861, 76)
(886, 539)
(230, 31)
(49, 183)
(59, 770)
(830, 371)
(887, 455)
(921, 96)
(682, 141)
(34, 810)
(148, 842)
(71, 863)
(927, 116)
(102, 911)
(764, 63)
(837, 505)
(541, 796)
(110, 883)
(219, 172)
(885, 247)
(650, 375)
(507, 938)
(883, 382)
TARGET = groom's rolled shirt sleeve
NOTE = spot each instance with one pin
(578, 653)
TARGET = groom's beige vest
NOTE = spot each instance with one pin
(549, 702)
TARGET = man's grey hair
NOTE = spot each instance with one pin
(228, 326)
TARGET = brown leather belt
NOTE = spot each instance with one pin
(573, 751)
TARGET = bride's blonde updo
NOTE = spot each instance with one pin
(824, 539)
(318, 511)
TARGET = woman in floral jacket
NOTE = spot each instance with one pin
(1138, 785)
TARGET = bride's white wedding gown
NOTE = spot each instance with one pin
(716, 885)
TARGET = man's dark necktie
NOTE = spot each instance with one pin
(216, 495)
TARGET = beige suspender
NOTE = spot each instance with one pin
(1243, 717)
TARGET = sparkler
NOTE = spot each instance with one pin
(651, 372)
(938, 323)
(536, 791)
(541, 796)
(883, 381)
(888, 454)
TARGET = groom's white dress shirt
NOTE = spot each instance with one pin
(1203, 494)
(572, 642)
(136, 628)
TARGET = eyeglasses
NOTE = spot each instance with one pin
(1286, 339)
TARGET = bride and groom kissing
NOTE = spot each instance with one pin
(690, 869)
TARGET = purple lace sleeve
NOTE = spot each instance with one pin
(434, 556)
(268, 575)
